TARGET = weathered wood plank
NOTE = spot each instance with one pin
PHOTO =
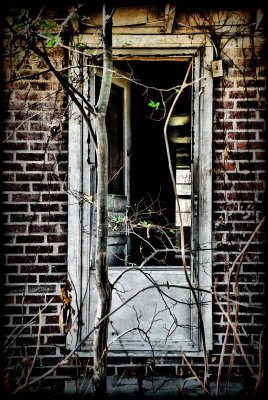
(170, 12)
(128, 16)
(185, 40)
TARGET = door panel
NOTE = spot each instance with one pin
(165, 315)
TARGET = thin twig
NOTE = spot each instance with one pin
(195, 375)
(239, 259)
(23, 327)
(37, 346)
(234, 332)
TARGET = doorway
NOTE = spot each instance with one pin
(151, 195)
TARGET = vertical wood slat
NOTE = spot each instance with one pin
(170, 12)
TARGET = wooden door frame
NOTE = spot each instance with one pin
(79, 170)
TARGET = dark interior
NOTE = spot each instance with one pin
(150, 182)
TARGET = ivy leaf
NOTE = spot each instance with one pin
(46, 23)
(154, 105)
(144, 224)
(79, 45)
(54, 40)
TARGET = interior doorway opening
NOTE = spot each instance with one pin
(151, 189)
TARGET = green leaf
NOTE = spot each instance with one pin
(75, 17)
(54, 40)
(154, 105)
(145, 224)
(118, 219)
(46, 23)
(79, 45)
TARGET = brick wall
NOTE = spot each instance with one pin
(239, 193)
(34, 182)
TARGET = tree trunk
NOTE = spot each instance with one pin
(102, 280)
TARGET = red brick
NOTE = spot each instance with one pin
(242, 94)
(15, 208)
(30, 136)
(30, 239)
(22, 279)
(254, 166)
(250, 104)
(242, 114)
(42, 228)
(13, 146)
(261, 155)
(250, 125)
(259, 83)
(250, 145)
(38, 249)
(54, 197)
(27, 176)
(54, 217)
(223, 104)
(44, 208)
(47, 186)
(34, 269)
(13, 249)
(40, 167)
(21, 259)
(31, 299)
(15, 187)
(24, 198)
(15, 228)
(13, 166)
(30, 156)
(58, 259)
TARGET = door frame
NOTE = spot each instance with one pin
(79, 171)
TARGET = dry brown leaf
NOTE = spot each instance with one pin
(61, 321)
(258, 98)
(226, 153)
(62, 293)
(23, 377)
(68, 286)
(65, 318)
(69, 323)
(7, 386)
(25, 365)
(25, 362)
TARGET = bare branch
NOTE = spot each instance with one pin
(24, 326)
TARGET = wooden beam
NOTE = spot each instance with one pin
(259, 18)
(122, 41)
(170, 12)
(74, 22)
